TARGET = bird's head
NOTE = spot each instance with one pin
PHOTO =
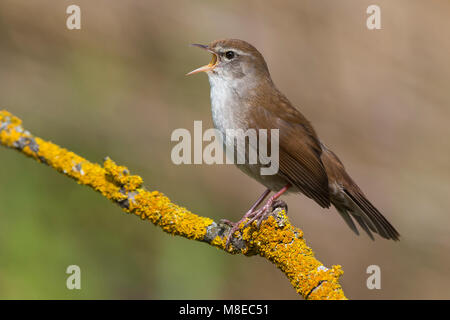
(233, 59)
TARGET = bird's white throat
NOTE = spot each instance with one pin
(228, 111)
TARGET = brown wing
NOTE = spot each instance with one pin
(300, 150)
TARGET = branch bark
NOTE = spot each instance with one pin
(276, 240)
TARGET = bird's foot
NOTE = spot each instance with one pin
(235, 225)
(261, 214)
(256, 215)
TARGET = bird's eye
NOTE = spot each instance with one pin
(229, 55)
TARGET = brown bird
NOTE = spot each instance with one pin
(243, 96)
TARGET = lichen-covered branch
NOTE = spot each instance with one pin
(276, 240)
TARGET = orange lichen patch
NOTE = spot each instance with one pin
(219, 242)
(7, 125)
(121, 175)
(78, 168)
(173, 219)
(277, 240)
(286, 248)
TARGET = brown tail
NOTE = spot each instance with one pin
(351, 203)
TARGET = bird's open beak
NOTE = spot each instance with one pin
(209, 66)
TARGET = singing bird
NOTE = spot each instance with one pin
(243, 96)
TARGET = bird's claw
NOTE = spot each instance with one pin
(257, 215)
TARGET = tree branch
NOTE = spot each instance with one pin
(276, 240)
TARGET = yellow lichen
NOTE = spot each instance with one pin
(286, 248)
(277, 240)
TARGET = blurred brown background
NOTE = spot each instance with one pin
(116, 87)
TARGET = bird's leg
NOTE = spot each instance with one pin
(262, 213)
(250, 213)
